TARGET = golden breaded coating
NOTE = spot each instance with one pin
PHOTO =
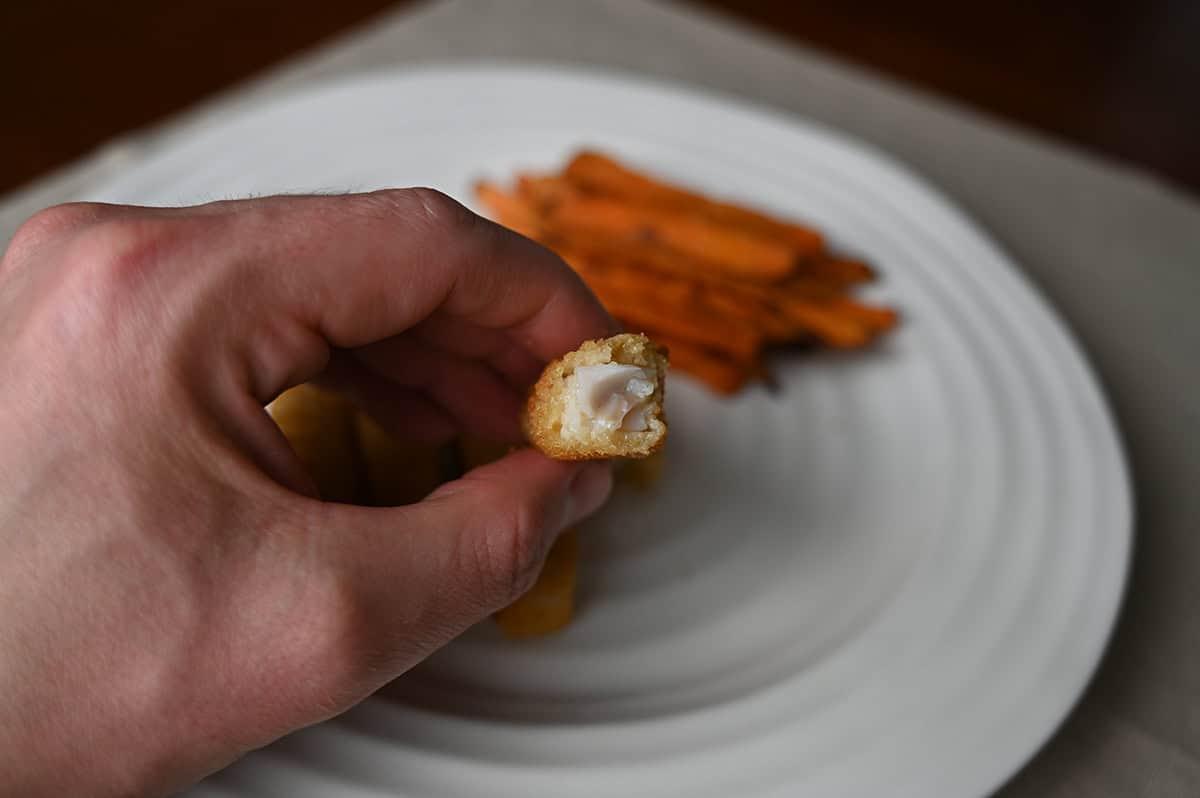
(603, 400)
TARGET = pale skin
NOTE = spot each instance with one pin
(172, 592)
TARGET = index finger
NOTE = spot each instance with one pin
(362, 268)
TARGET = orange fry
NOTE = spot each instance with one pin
(876, 319)
(829, 326)
(756, 312)
(649, 256)
(722, 374)
(602, 175)
(671, 288)
(657, 261)
(715, 281)
(840, 271)
(723, 250)
(724, 316)
(543, 191)
(638, 309)
(510, 210)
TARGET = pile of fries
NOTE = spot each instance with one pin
(718, 284)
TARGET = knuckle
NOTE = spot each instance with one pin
(119, 253)
(65, 218)
(441, 209)
(427, 207)
(342, 626)
(337, 633)
(339, 622)
(55, 222)
(97, 287)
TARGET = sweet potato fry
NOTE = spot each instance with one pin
(744, 318)
(724, 250)
(543, 191)
(510, 210)
(830, 327)
(716, 281)
(701, 330)
(641, 255)
(755, 312)
(682, 281)
(652, 302)
(837, 271)
(720, 372)
(876, 319)
(602, 175)
(653, 261)
(666, 305)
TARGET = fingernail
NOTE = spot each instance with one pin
(589, 489)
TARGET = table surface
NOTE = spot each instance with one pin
(1116, 251)
(1115, 77)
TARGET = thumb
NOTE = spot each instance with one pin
(416, 576)
(499, 521)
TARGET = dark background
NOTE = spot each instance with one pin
(1121, 78)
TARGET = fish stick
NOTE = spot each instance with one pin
(319, 426)
(398, 472)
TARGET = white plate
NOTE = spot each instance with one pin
(894, 577)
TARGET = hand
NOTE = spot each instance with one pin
(171, 593)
